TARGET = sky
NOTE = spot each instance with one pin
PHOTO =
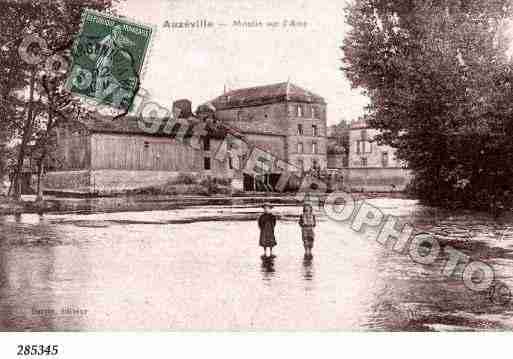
(198, 63)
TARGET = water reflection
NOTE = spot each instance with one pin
(267, 267)
(37, 280)
(308, 269)
(25, 289)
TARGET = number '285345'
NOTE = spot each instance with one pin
(38, 349)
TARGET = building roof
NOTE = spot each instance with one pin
(134, 126)
(359, 124)
(106, 124)
(261, 95)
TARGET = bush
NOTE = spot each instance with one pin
(216, 185)
(185, 178)
(186, 184)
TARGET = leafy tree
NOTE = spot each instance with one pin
(27, 109)
(439, 83)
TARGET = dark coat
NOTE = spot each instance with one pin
(266, 223)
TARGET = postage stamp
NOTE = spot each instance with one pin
(107, 59)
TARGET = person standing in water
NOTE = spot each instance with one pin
(266, 223)
(307, 223)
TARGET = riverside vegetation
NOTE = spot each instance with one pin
(188, 184)
(440, 80)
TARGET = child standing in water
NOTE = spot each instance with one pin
(266, 223)
(307, 223)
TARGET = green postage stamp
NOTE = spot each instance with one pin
(108, 58)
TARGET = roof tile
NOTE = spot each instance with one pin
(260, 95)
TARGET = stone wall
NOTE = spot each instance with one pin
(376, 179)
(307, 119)
(270, 119)
(307, 156)
(105, 182)
(111, 181)
(283, 119)
(67, 181)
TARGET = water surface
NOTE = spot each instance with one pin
(201, 269)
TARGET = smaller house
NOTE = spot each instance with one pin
(371, 166)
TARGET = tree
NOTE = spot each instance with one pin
(340, 134)
(3, 160)
(61, 109)
(23, 100)
(438, 80)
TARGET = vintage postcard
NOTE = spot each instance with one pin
(239, 165)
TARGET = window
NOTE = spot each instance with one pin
(146, 144)
(299, 111)
(230, 162)
(206, 163)
(300, 130)
(299, 147)
(364, 161)
(363, 134)
(363, 147)
(314, 147)
(368, 147)
(206, 144)
(315, 112)
(315, 131)
(384, 159)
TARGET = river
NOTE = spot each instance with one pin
(201, 269)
